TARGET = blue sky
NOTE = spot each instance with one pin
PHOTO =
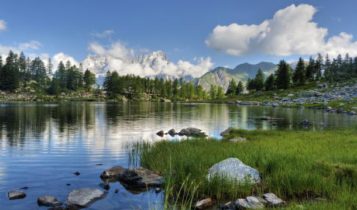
(178, 28)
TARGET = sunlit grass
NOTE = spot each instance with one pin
(299, 166)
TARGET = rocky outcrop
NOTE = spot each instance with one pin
(235, 170)
(84, 197)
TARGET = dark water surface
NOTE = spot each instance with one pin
(42, 145)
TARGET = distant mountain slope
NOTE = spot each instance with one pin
(222, 76)
(252, 69)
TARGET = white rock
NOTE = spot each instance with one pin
(84, 196)
(272, 199)
(234, 169)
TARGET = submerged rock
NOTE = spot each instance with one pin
(133, 178)
(84, 196)
(203, 204)
(48, 200)
(234, 169)
(273, 200)
(16, 194)
(192, 132)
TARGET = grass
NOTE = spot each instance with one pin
(313, 169)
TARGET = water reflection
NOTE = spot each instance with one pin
(43, 144)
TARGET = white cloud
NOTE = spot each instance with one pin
(2, 25)
(26, 47)
(118, 57)
(291, 31)
(57, 58)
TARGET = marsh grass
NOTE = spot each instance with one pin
(315, 169)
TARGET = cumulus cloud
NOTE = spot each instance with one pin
(290, 31)
(2, 25)
(124, 60)
(21, 47)
(57, 58)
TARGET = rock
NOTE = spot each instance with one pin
(16, 194)
(84, 196)
(273, 200)
(165, 100)
(228, 206)
(48, 200)
(24, 188)
(226, 132)
(290, 95)
(249, 202)
(192, 132)
(141, 178)
(203, 204)
(160, 133)
(172, 132)
(234, 169)
(112, 173)
(352, 113)
(157, 190)
(116, 191)
(105, 186)
(99, 164)
(77, 173)
(237, 139)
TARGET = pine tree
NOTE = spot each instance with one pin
(89, 79)
(259, 80)
(310, 69)
(299, 73)
(232, 87)
(283, 75)
(240, 88)
(9, 76)
(270, 83)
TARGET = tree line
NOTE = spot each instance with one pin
(318, 69)
(19, 72)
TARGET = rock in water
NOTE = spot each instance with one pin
(84, 196)
(160, 133)
(273, 200)
(234, 169)
(16, 194)
(192, 132)
(203, 204)
(172, 132)
(141, 178)
(48, 200)
(113, 172)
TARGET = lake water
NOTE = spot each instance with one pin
(42, 145)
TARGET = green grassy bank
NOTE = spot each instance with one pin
(311, 170)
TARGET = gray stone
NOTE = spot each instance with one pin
(249, 202)
(48, 200)
(192, 132)
(203, 204)
(226, 132)
(16, 194)
(234, 169)
(141, 178)
(172, 132)
(160, 133)
(84, 196)
(273, 200)
(113, 172)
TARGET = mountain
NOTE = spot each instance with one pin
(252, 69)
(222, 76)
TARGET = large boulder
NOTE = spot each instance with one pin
(84, 196)
(141, 178)
(235, 170)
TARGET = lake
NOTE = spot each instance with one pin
(43, 144)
